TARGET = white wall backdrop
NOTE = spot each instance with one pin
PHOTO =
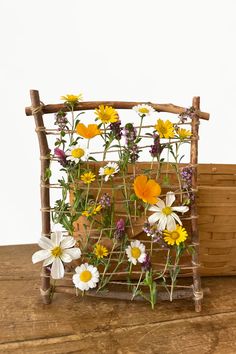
(152, 50)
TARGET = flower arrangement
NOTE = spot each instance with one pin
(103, 202)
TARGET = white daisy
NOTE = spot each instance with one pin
(86, 277)
(77, 153)
(56, 250)
(136, 252)
(109, 170)
(143, 109)
(164, 213)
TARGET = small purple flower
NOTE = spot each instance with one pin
(146, 265)
(130, 133)
(105, 201)
(186, 175)
(120, 229)
(188, 113)
(156, 148)
(61, 120)
(116, 129)
(60, 154)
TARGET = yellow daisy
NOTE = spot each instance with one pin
(72, 98)
(165, 129)
(88, 177)
(106, 114)
(100, 251)
(92, 210)
(175, 236)
(183, 133)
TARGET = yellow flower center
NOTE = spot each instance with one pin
(100, 251)
(109, 171)
(77, 153)
(56, 252)
(85, 276)
(143, 110)
(174, 235)
(106, 117)
(167, 210)
(135, 252)
(163, 129)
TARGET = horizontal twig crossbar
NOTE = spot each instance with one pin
(90, 105)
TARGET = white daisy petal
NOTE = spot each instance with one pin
(171, 224)
(40, 256)
(74, 253)
(170, 198)
(177, 218)
(154, 218)
(56, 238)
(160, 204)
(181, 209)
(45, 243)
(48, 261)
(155, 208)
(57, 270)
(68, 242)
(162, 222)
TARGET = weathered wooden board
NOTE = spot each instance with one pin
(75, 325)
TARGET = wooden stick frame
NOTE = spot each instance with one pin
(38, 109)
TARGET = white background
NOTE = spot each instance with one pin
(159, 51)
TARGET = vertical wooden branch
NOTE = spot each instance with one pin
(44, 191)
(197, 291)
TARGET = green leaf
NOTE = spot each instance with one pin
(48, 174)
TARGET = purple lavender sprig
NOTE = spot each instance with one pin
(61, 120)
(156, 148)
(130, 133)
(116, 130)
(120, 230)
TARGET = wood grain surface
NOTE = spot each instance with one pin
(86, 325)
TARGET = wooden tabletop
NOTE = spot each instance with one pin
(86, 325)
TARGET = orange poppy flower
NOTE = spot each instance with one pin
(147, 190)
(88, 132)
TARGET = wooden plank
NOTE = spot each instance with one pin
(82, 325)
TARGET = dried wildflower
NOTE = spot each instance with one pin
(165, 129)
(146, 265)
(109, 170)
(116, 129)
(105, 201)
(120, 229)
(55, 251)
(147, 190)
(176, 236)
(72, 98)
(130, 134)
(88, 132)
(186, 175)
(60, 154)
(77, 153)
(144, 109)
(188, 113)
(136, 252)
(106, 114)
(86, 277)
(88, 177)
(156, 148)
(164, 214)
(100, 251)
(61, 120)
(183, 133)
